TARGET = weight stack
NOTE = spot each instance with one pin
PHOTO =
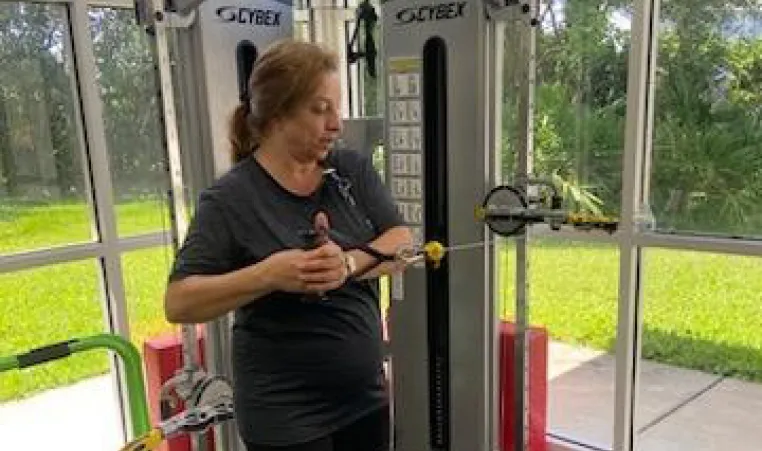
(163, 358)
(537, 381)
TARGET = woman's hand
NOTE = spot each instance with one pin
(201, 298)
(324, 268)
(307, 271)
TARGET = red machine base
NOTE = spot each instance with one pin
(163, 358)
(537, 397)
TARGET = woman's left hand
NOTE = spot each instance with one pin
(323, 268)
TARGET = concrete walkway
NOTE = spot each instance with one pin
(80, 417)
(680, 410)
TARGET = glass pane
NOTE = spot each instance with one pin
(573, 296)
(578, 123)
(42, 189)
(580, 103)
(46, 406)
(132, 116)
(145, 279)
(701, 374)
(706, 174)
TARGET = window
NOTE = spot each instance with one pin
(702, 351)
(43, 197)
(580, 100)
(132, 119)
(706, 174)
(48, 305)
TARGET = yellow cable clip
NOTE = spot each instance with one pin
(480, 213)
(435, 252)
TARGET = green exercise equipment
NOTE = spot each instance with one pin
(133, 369)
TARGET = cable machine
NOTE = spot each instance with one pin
(443, 81)
(444, 96)
(441, 66)
(204, 52)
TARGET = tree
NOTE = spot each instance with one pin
(132, 113)
(39, 143)
(706, 165)
(39, 121)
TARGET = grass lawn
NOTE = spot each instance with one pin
(701, 310)
(32, 227)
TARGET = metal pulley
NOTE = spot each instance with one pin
(194, 420)
(507, 210)
(192, 388)
(501, 209)
(208, 401)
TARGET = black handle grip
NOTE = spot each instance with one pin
(45, 354)
(246, 55)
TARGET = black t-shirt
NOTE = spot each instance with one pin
(302, 369)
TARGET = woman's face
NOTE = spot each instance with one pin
(313, 128)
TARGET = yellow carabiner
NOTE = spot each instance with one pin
(435, 252)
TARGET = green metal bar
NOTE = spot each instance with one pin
(133, 369)
(8, 363)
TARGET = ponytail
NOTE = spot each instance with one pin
(242, 139)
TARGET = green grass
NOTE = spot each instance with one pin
(44, 306)
(26, 227)
(56, 303)
(701, 310)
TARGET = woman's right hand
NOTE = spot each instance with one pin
(307, 271)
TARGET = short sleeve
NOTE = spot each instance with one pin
(207, 248)
(376, 198)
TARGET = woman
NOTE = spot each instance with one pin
(307, 345)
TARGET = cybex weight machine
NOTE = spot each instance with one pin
(445, 64)
(441, 65)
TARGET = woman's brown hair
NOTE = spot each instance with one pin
(284, 77)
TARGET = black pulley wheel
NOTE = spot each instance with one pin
(498, 204)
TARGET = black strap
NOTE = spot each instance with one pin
(345, 243)
(362, 272)
(365, 14)
(378, 255)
